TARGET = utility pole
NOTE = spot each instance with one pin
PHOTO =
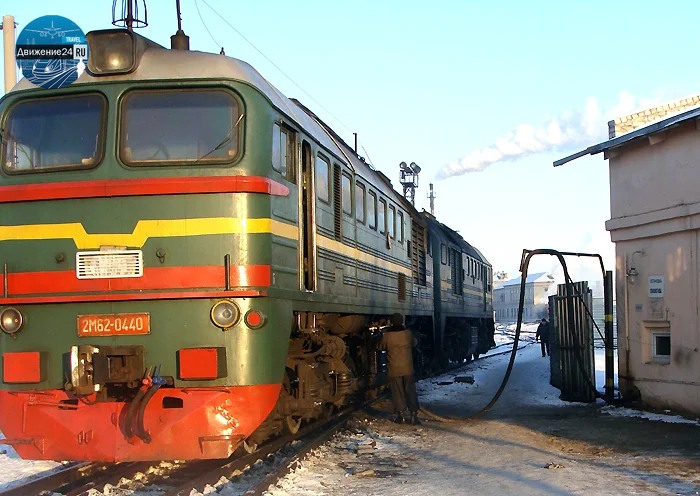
(432, 197)
(8, 41)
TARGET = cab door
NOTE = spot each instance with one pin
(307, 196)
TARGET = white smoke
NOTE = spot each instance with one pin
(582, 128)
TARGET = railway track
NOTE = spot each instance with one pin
(181, 478)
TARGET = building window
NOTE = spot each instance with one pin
(322, 178)
(661, 347)
(656, 341)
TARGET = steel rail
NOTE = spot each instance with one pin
(307, 439)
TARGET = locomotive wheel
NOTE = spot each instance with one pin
(292, 423)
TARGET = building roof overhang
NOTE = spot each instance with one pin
(634, 136)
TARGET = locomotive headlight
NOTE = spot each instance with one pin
(11, 320)
(224, 314)
(111, 52)
(115, 51)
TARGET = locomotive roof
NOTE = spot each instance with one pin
(160, 63)
(457, 239)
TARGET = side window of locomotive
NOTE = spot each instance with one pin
(184, 126)
(381, 218)
(372, 210)
(392, 221)
(54, 133)
(283, 152)
(360, 202)
(322, 178)
(347, 194)
(443, 254)
(400, 228)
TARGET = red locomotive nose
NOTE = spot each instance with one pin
(182, 424)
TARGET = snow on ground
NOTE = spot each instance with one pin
(658, 417)
(13, 469)
(377, 457)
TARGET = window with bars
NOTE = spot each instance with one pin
(337, 202)
(418, 254)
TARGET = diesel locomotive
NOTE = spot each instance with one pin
(192, 262)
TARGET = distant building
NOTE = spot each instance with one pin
(655, 225)
(506, 297)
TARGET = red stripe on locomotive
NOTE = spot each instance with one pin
(142, 187)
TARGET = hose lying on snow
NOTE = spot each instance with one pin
(524, 264)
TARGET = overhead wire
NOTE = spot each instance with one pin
(273, 64)
(196, 4)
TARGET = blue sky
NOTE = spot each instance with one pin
(453, 82)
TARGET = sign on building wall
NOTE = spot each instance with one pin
(656, 286)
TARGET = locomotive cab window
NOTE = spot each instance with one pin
(283, 152)
(195, 126)
(54, 133)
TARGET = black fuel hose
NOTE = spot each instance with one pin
(524, 264)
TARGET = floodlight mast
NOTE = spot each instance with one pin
(409, 180)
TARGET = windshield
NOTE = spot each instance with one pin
(199, 126)
(52, 133)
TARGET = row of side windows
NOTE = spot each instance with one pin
(368, 208)
(473, 269)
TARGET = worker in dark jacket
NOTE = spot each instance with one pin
(399, 343)
(543, 335)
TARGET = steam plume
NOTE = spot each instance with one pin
(571, 129)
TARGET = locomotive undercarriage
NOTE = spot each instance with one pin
(466, 339)
(331, 362)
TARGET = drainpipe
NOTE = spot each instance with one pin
(8, 41)
(627, 323)
(609, 337)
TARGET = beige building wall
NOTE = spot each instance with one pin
(506, 299)
(655, 221)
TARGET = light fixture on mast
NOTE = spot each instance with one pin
(409, 180)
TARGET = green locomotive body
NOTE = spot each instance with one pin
(192, 261)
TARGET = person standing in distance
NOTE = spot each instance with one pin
(543, 335)
(399, 342)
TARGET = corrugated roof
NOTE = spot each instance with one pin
(635, 135)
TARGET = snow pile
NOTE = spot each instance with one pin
(656, 417)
